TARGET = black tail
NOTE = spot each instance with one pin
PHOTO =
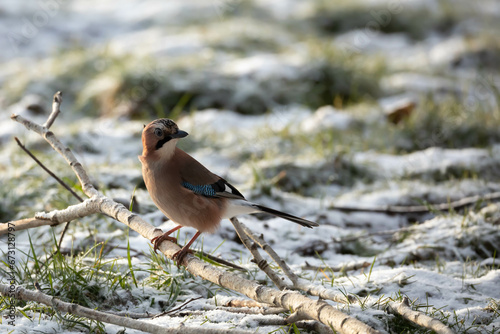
(300, 221)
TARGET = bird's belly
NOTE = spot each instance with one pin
(188, 209)
(182, 205)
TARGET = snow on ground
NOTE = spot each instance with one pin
(289, 155)
(429, 160)
(436, 264)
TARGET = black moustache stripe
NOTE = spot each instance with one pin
(160, 142)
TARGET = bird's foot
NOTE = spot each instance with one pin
(156, 241)
(179, 256)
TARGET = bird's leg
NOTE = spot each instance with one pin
(165, 236)
(179, 256)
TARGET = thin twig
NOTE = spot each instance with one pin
(244, 303)
(220, 261)
(421, 209)
(58, 305)
(340, 268)
(268, 249)
(24, 224)
(308, 325)
(314, 326)
(178, 308)
(61, 182)
(63, 233)
(81, 174)
(56, 104)
(295, 316)
(374, 234)
(98, 203)
(131, 315)
(244, 310)
(257, 258)
(417, 317)
(297, 282)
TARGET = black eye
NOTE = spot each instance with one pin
(158, 132)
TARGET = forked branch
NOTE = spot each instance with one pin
(57, 304)
(98, 203)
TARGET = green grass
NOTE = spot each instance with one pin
(91, 280)
(450, 124)
(146, 88)
(22, 193)
(446, 124)
(331, 18)
(97, 82)
(335, 20)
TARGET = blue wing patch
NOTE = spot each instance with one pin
(218, 189)
(205, 190)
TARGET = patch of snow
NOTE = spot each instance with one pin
(327, 117)
(426, 161)
(394, 102)
(263, 67)
(417, 82)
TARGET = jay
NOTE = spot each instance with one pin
(187, 192)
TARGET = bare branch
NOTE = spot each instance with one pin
(339, 268)
(243, 310)
(49, 136)
(56, 104)
(295, 316)
(61, 182)
(83, 209)
(244, 303)
(265, 246)
(98, 203)
(220, 261)
(308, 325)
(298, 283)
(39, 297)
(178, 308)
(131, 315)
(314, 326)
(24, 224)
(421, 209)
(419, 318)
(257, 258)
(253, 310)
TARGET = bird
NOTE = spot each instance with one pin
(186, 191)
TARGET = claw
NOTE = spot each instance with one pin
(180, 255)
(165, 236)
(156, 241)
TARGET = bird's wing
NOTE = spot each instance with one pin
(218, 189)
(201, 181)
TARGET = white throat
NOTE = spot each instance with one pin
(167, 151)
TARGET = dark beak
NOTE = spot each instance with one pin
(179, 134)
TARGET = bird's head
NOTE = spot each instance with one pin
(160, 137)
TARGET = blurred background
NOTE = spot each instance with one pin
(305, 106)
(316, 98)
